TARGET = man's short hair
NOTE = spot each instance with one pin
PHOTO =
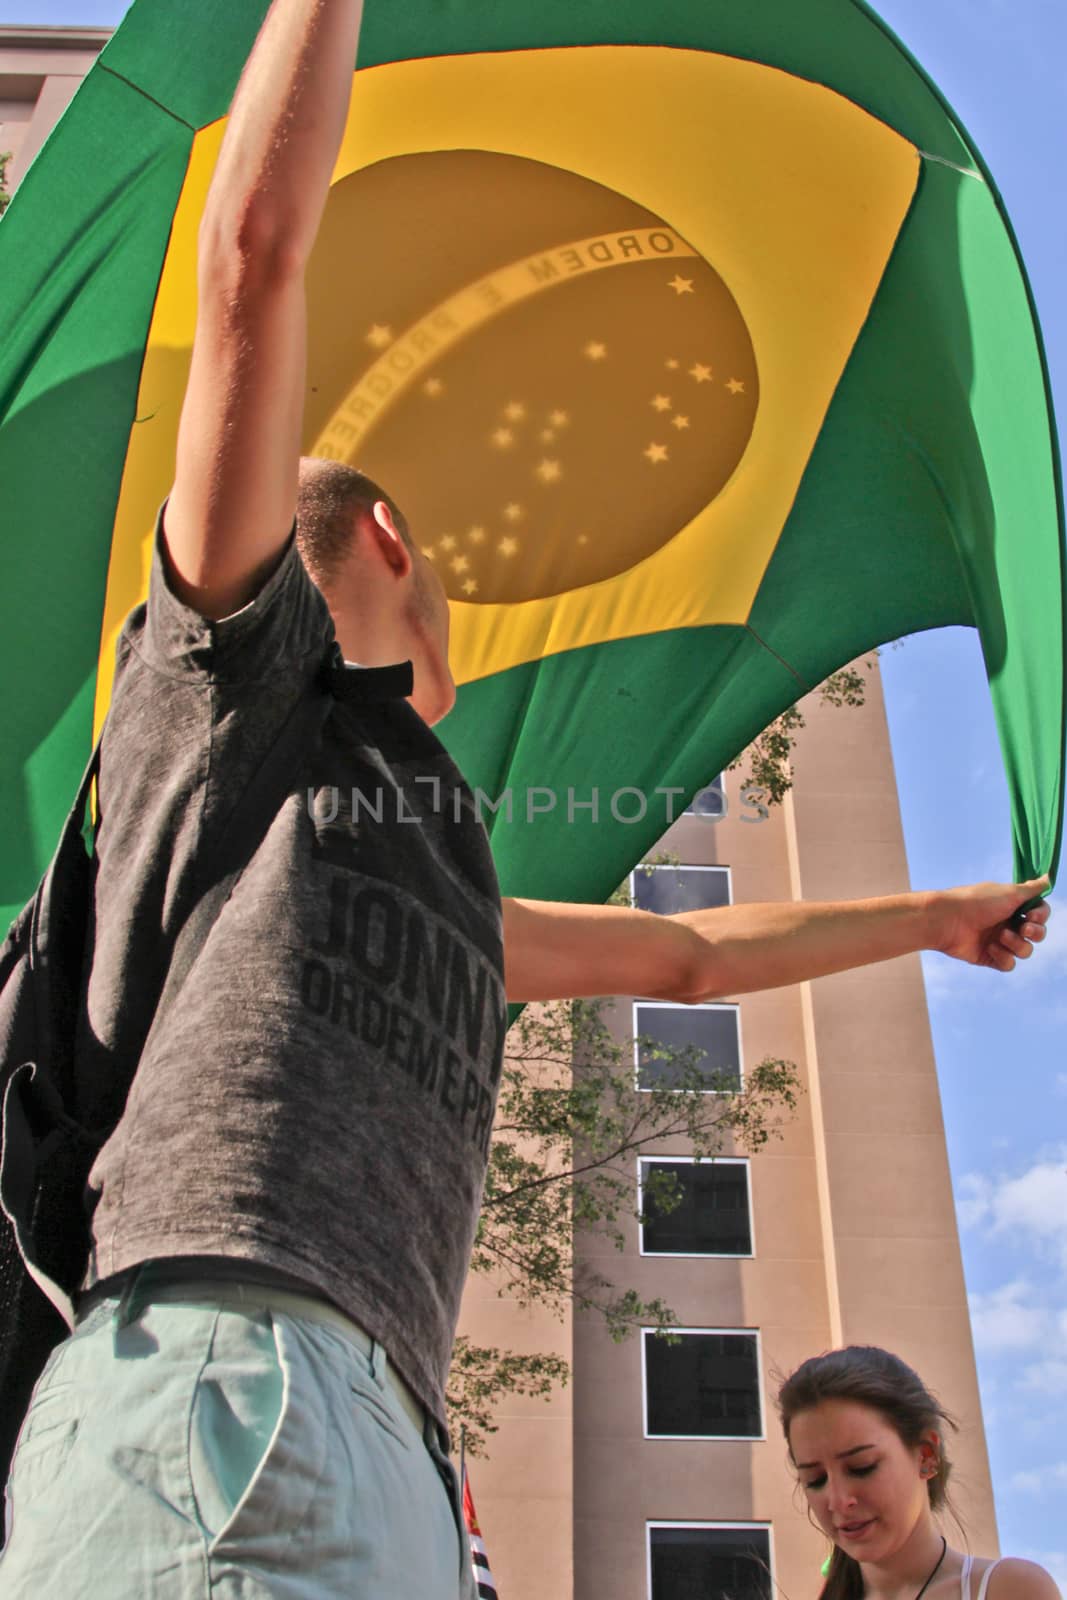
(330, 497)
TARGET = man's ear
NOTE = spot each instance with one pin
(388, 541)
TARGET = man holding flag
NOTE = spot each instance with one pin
(253, 1401)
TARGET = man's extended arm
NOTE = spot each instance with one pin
(560, 951)
(234, 497)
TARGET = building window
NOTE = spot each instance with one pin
(713, 1217)
(706, 1037)
(706, 1385)
(666, 889)
(708, 802)
(709, 1561)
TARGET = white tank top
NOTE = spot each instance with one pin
(965, 1579)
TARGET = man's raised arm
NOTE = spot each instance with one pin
(561, 951)
(234, 497)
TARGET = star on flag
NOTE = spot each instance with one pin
(544, 439)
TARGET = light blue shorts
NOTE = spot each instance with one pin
(199, 1450)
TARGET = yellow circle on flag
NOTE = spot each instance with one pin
(780, 201)
(556, 387)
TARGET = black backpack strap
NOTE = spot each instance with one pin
(70, 850)
(81, 799)
(40, 970)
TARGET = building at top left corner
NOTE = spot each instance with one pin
(40, 71)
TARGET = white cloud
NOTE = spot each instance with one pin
(1040, 1480)
(1048, 1377)
(1031, 1207)
(1036, 1202)
(947, 979)
(1008, 1318)
(974, 1199)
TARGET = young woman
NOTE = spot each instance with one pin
(867, 1440)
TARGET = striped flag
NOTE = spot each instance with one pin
(483, 1578)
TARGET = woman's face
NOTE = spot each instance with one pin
(864, 1485)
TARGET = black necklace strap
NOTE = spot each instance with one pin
(937, 1569)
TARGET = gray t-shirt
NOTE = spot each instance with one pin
(320, 1096)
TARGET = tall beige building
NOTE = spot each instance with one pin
(660, 1473)
(40, 69)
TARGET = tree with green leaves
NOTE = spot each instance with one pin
(768, 758)
(573, 1117)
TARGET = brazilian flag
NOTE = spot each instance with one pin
(693, 339)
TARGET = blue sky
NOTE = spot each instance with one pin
(1000, 1042)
